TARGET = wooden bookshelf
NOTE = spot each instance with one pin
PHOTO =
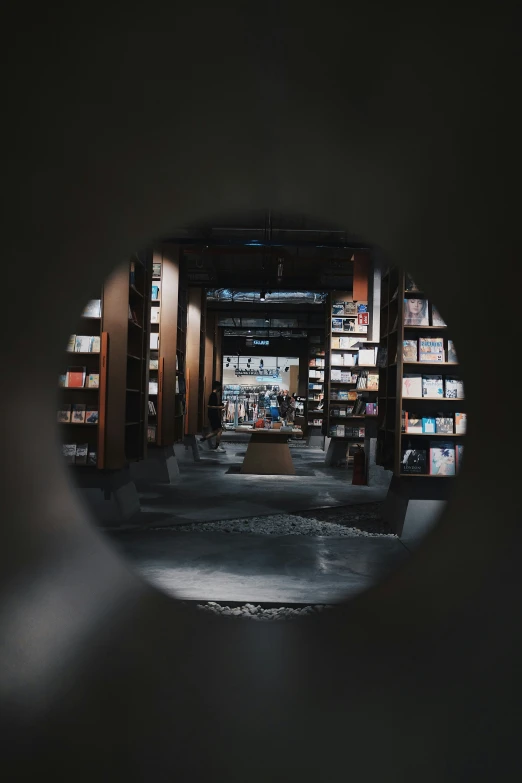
(181, 358)
(356, 340)
(316, 351)
(391, 440)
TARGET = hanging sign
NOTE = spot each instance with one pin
(260, 342)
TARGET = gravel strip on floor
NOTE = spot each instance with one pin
(277, 525)
(364, 516)
(258, 613)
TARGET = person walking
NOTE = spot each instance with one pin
(292, 407)
(215, 412)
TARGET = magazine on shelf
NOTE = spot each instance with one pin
(454, 388)
(461, 421)
(412, 385)
(350, 325)
(155, 315)
(338, 308)
(409, 351)
(436, 318)
(452, 354)
(432, 386)
(92, 309)
(82, 450)
(78, 413)
(444, 425)
(83, 343)
(75, 377)
(431, 349)
(412, 423)
(337, 324)
(93, 380)
(429, 425)
(64, 414)
(414, 461)
(69, 452)
(442, 458)
(416, 312)
(91, 415)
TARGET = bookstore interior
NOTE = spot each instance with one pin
(363, 363)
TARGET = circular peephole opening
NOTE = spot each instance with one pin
(263, 415)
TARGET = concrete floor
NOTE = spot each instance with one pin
(206, 492)
(252, 568)
(208, 566)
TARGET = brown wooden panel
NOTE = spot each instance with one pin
(115, 323)
(361, 271)
(209, 355)
(159, 406)
(168, 343)
(193, 358)
(102, 400)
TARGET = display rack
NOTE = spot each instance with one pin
(82, 407)
(181, 350)
(351, 375)
(408, 423)
(137, 358)
(315, 408)
(154, 410)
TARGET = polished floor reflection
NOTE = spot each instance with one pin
(287, 569)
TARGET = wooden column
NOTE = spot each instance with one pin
(193, 358)
(209, 355)
(168, 342)
(116, 323)
(218, 350)
(361, 271)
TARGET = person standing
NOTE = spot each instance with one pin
(215, 412)
(292, 407)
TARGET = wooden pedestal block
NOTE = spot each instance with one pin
(268, 454)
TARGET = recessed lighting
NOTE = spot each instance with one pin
(262, 296)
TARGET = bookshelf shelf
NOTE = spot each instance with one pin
(423, 326)
(83, 353)
(78, 424)
(79, 388)
(433, 434)
(426, 475)
(392, 441)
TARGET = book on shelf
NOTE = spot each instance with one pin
(436, 318)
(444, 425)
(461, 421)
(432, 386)
(366, 356)
(155, 315)
(348, 359)
(64, 414)
(412, 385)
(92, 309)
(334, 411)
(93, 380)
(349, 325)
(362, 307)
(83, 343)
(62, 379)
(342, 412)
(382, 356)
(69, 452)
(362, 380)
(96, 344)
(152, 408)
(442, 458)
(350, 308)
(71, 343)
(82, 450)
(371, 409)
(459, 451)
(340, 431)
(431, 349)
(335, 375)
(412, 423)
(454, 388)
(345, 343)
(156, 269)
(409, 284)
(153, 364)
(75, 377)
(452, 354)
(429, 425)
(414, 461)
(153, 387)
(409, 351)
(338, 308)
(151, 433)
(92, 458)
(155, 292)
(91, 415)
(78, 413)
(154, 341)
(337, 324)
(372, 383)
(416, 312)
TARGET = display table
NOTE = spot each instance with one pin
(268, 453)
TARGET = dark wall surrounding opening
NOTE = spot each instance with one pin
(401, 128)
